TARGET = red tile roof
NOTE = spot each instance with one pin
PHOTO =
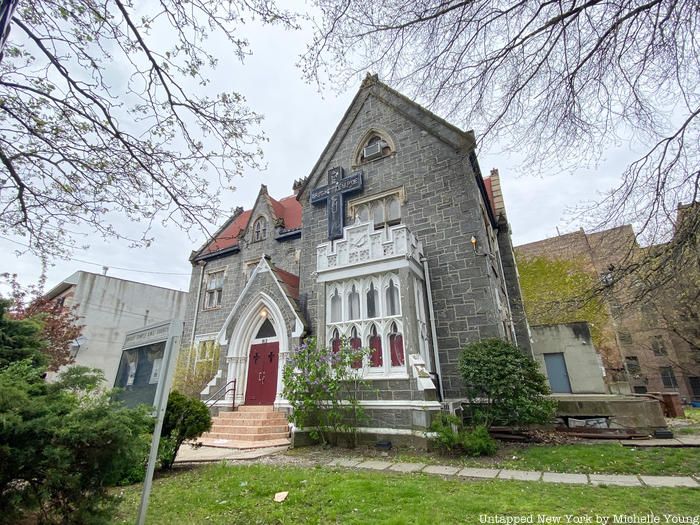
(287, 209)
(290, 281)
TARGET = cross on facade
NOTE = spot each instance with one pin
(333, 195)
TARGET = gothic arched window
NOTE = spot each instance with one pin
(372, 302)
(396, 346)
(376, 360)
(393, 306)
(353, 304)
(336, 307)
(335, 341)
(259, 229)
(355, 344)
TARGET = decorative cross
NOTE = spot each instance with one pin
(256, 356)
(271, 356)
(333, 195)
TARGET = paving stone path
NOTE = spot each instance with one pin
(275, 456)
(520, 475)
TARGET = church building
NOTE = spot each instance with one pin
(394, 241)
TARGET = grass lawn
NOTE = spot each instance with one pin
(606, 458)
(244, 494)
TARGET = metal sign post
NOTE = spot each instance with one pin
(160, 404)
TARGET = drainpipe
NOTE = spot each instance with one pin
(436, 353)
(201, 264)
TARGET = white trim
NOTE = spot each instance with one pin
(385, 431)
(396, 404)
(243, 336)
(262, 267)
(210, 384)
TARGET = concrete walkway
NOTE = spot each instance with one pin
(521, 475)
(680, 441)
(189, 454)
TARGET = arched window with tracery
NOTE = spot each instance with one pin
(396, 346)
(335, 341)
(372, 302)
(353, 304)
(336, 307)
(393, 306)
(355, 344)
(376, 359)
(260, 229)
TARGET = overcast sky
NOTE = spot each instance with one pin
(299, 122)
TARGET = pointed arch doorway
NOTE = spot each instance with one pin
(263, 362)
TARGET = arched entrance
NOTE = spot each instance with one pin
(263, 362)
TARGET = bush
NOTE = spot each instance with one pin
(185, 418)
(450, 435)
(322, 386)
(504, 386)
(63, 444)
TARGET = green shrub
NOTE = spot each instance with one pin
(185, 418)
(503, 385)
(478, 442)
(321, 385)
(451, 436)
(63, 444)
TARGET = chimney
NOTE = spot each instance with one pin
(497, 193)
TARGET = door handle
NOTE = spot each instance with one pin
(261, 377)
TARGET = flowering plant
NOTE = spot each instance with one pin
(322, 386)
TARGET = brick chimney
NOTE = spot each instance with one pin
(498, 203)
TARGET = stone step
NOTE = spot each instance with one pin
(249, 422)
(246, 437)
(241, 429)
(244, 445)
(253, 415)
(256, 408)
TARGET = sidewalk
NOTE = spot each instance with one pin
(522, 475)
(189, 454)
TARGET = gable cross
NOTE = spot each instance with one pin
(333, 195)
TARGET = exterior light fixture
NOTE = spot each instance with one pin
(473, 241)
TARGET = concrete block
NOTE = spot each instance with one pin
(407, 467)
(520, 475)
(556, 477)
(669, 481)
(344, 462)
(615, 479)
(375, 465)
(442, 470)
(488, 473)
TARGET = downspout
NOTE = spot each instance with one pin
(433, 332)
(201, 264)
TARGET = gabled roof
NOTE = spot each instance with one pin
(403, 105)
(287, 211)
(289, 280)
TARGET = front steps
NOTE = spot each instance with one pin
(248, 427)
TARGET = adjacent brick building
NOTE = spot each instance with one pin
(640, 353)
(394, 241)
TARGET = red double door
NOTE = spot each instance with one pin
(261, 387)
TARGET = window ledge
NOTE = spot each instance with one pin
(391, 375)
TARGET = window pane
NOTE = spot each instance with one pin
(336, 307)
(378, 212)
(266, 330)
(355, 344)
(376, 360)
(392, 299)
(393, 209)
(354, 304)
(372, 302)
(396, 346)
(362, 213)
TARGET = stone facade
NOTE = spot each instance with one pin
(441, 243)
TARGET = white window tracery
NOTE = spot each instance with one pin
(369, 316)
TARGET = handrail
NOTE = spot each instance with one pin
(212, 399)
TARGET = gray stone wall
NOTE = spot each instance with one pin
(515, 298)
(443, 208)
(284, 254)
